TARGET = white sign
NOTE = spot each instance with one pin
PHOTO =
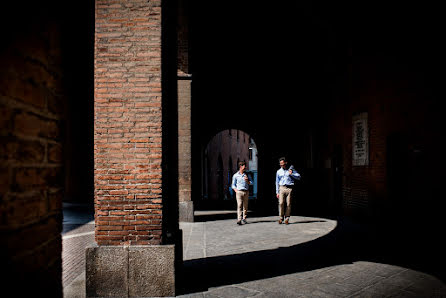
(360, 145)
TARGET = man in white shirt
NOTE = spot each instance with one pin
(240, 185)
(285, 178)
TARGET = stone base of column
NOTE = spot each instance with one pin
(131, 271)
(186, 211)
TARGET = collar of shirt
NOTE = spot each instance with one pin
(283, 171)
(284, 177)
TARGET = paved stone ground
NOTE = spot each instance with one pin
(77, 234)
(310, 257)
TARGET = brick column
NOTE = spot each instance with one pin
(32, 116)
(186, 206)
(129, 258)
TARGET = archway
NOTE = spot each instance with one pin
(221, 154)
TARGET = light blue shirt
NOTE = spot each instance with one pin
(283, 177)
(239, 183)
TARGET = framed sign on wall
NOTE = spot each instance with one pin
(360, 142)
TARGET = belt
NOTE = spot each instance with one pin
(287, 186)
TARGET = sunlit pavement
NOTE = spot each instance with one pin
(77, 234)
(310, 257)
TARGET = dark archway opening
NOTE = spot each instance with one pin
(222, 154)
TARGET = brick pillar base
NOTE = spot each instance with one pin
(186, 210)
(131, 271)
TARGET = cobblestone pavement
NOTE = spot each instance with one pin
(310, 257)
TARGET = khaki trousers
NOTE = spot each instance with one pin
(242, 197)
(284, 194)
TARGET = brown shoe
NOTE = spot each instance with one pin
(280, 221)
(286, 221)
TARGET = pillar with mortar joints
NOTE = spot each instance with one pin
(138, 242)
(186, 206)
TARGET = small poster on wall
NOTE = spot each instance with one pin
(360, 145)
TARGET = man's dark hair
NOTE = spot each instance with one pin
(241, 163)
(282, 158)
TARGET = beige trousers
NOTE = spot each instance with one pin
(284, 194)
(242, 197)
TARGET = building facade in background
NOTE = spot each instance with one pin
(221, 157)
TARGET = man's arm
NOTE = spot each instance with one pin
(277, 182)
(234, 184)
(295, 175)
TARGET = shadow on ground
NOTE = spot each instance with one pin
(251, 218)
(214, 217)
(347, 243)
(216, 213)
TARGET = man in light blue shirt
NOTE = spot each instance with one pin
(240, 185)
(285, 178)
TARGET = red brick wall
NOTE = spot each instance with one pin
(184, 140)
(31, 164)
(183, 37)
(398, 103)
(228, 146)
(127, 132)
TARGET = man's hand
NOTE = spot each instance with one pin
(277, 195)
(290, 171)
(246, 178)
